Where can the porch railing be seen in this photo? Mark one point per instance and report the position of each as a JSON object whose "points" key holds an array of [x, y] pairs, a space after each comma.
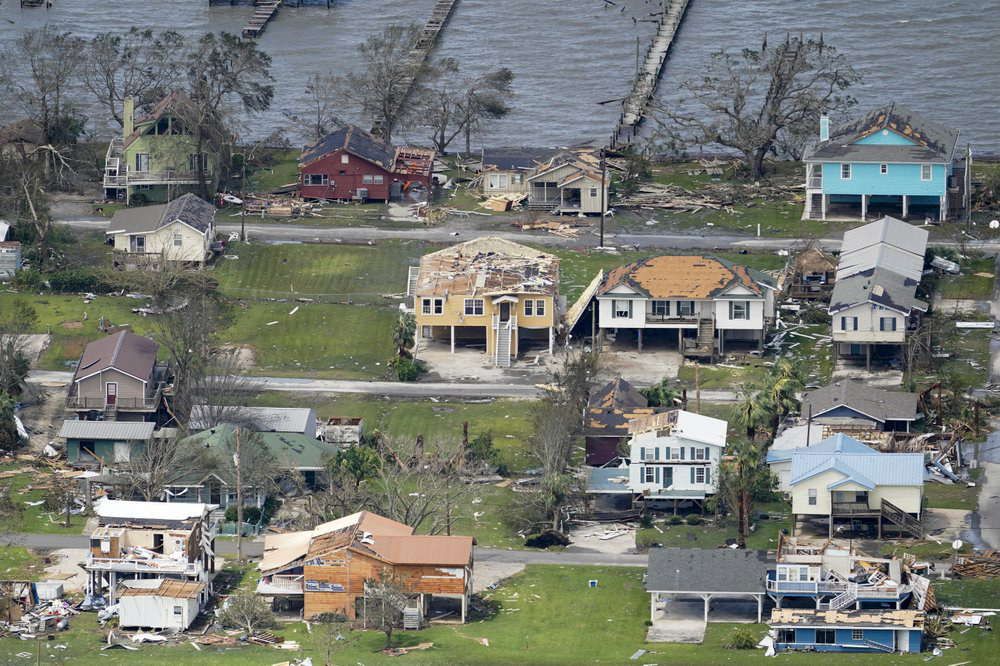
{"points": [[160, 564], [814, 181], [121, 402]]}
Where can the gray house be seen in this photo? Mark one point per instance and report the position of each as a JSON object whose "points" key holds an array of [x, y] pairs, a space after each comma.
{"points": [[850, 404]]}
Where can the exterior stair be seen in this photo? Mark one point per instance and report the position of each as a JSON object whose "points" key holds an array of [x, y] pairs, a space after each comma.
{"points": [[503, 345], [904, 521], [845, 598], [878, 646]]}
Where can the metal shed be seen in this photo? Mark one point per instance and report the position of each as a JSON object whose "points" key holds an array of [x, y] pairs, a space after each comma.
{"points": [[159, 604]]}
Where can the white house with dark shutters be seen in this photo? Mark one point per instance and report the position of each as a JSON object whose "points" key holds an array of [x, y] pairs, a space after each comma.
{"points": [[675, 456]]}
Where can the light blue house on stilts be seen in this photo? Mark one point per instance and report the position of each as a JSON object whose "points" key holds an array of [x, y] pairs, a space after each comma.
{"points": [[891, 161]]}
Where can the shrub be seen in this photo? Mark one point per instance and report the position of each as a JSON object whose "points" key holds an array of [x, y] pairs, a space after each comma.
{"points": [[695, 519], [407, 369], [646, 521], [482, 449], [675, 520], [251, 515], [77, 280], [743, 639], [231, 514], [28, 279]]}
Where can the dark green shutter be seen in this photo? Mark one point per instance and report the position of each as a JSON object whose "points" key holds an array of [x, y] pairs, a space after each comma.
{"points": [[642, 453], [657, 472], [692, 475]]}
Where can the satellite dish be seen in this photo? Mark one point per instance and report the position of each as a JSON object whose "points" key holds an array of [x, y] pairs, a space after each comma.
{"points": [[956, 544]]}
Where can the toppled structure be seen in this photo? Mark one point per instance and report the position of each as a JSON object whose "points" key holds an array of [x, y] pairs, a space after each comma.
{"points": [[847, 631], [608, 413]]}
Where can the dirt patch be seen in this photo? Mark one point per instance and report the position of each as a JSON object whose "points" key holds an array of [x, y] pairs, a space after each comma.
{"points": [[72, 324], [43, 418], [67, 568], [491, 573], [245, 357], [612, 539]]}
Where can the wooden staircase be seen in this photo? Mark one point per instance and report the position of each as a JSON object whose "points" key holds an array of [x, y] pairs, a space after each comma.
{"points": [[816, 209], [904, 521], [844, 599], [503, 344], [704, 342]]}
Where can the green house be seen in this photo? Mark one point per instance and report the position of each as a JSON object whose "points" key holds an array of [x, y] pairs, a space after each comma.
{"points": [[156, 159], [104, 442]]}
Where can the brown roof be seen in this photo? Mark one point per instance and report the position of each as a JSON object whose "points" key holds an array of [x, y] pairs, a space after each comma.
{"points": [[814, 259], [488, 266], [909, 619], [25, 130], [447, 551], [342, 532], [174, 102], [174, 589], [611, 408], [682, 276], [132, 354]]}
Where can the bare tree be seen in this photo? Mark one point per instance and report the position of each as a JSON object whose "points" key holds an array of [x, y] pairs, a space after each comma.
{"points": [[246, 610], [451, 106], [745, 101], [139, 64], [322, 93], [386, 597], [220, 392], [154, 465], [24, 198], [17, 321]]}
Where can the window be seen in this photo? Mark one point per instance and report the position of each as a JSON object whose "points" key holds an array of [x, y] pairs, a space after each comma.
{"points": [[649, 474], [649, 453], [848, 323], [529, 308], [343, 158], [786, 635], [674, 453], [539, 308], [498, 181], [812, 497], [140, 243], [432, 306], [883, 169], [178, 610], [379, 179], [425, 308], [739, 310], [845, 171], [516, 179], [178, 240], [699, 475], [857, 634], [661, 308], [593, 193], [367, 179], [685, 308], [887, 324], [197, 161], [438, 306], [699, 453], [474, 306], [142, 162], [826, 637], [925, 172], [318, 179], [621, 309]]}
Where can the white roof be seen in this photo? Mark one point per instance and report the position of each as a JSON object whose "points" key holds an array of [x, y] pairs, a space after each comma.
{"points": [[269, 419], [3, 230], [890, 231], [700, 428], [109, 508], [882, 255], [117, 430]]}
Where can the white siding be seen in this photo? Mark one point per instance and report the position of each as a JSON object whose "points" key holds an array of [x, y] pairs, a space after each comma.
{"points": [[868, 325], [157, 612], [754, 323], [819, 483], [681, 468], [907, 498], [194, 245], [606, 311]]}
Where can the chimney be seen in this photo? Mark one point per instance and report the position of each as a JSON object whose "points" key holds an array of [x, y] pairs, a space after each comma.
{"points": [[128, 115], [824, 127]]}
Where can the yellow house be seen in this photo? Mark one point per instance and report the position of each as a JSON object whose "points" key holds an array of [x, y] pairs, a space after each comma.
{"points": [[179, 232], [488, 293]]}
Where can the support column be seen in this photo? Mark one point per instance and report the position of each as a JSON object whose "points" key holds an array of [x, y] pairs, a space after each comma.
{"points": [[831, 524], [777, 601], [552, 339], [906, 205], [707, 598], [826, 200], [680, 339], [944, 207], [760, 607], [640, 338], [864, 207], [465, 603], [794, 521], [722, 342], [452, 339], [818, 602], [880, 527], [652, 606], [868, 357]]}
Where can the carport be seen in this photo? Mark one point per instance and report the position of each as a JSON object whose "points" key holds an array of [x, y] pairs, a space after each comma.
{"points": [[718, 573]]}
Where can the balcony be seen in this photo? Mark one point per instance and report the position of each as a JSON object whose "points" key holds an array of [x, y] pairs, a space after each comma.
{"points": [[814, 182], [152, 565], [852, 509], [121, 403], [833, 587], [281, 584], [653, 318]]}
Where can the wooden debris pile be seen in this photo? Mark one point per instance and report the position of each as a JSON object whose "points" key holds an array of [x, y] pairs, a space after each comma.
{"points": [[280, 207], [504, 202], [980, 564], [674, 197], [557, 227]]}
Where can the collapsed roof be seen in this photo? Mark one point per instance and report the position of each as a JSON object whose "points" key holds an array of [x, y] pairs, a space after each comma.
{"points": [[404, 160], [487, 266]]}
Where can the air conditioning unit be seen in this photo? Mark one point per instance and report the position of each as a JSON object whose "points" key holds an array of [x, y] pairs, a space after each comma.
{"points": [[362, 193]]}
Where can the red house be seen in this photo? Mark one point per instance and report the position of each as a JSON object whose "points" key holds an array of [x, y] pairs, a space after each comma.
{"points": [[351, 164]]}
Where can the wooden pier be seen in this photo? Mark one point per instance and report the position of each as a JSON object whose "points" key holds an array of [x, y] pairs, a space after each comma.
{"points": [[418, 56], [636, 104], [264, 12]]}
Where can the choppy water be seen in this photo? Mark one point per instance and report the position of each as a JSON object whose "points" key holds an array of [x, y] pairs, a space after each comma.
{"points": [[937, 56]]}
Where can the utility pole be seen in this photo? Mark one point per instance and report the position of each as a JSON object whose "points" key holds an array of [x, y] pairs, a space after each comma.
{"points": [[243, 205], [697, 388], [604, 152], [239, 500]]}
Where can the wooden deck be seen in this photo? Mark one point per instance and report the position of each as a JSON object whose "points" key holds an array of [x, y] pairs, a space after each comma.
{"points": [[635, 105], [264, 12], [418, 56]]}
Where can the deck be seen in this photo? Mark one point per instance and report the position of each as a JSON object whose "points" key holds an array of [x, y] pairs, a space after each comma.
{"points": [[264, 12], [635, 105]]}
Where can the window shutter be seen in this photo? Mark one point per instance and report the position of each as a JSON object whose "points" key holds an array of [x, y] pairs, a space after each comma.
{"points": [[843, 323], [692, 475], [666, 453], [656, 453], [682, 453], [730, 309], [855, 324], [630, 308], [642, 453], [692, 454], [706, 453], [657, 472]]}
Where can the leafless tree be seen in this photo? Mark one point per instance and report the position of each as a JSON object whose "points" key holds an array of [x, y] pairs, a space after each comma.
{"points": [[380, 90], [322, 93], [17, 321], [248, 611], [154, 465], [139, 63], [24, 198], [451, 106], [386, 597], [221, 392], [745, 101]]}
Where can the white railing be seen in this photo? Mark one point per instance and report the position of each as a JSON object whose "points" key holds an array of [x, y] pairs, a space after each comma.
{"points": [[281, 583], [164, 565]]}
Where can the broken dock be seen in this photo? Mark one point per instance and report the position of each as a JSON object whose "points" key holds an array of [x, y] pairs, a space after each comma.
{"points": [[264, 12], [636, 104], [418, 56]]}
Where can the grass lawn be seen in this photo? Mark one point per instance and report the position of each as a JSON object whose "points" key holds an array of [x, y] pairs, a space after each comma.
{"points": [[968, 285], [953, 496], [18, 563], [968, 592], [319, 340], [923, 550], [284, 171], [711, 535], [25, 487], [751, 370], [508, 420], [969, 363], [327, 272]]}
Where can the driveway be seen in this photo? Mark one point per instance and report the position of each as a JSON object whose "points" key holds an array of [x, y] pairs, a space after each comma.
{"points": [[989, 505], [682, 619]]}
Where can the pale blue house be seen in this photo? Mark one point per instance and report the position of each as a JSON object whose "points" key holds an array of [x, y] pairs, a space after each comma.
{"points": [[891, 161], [887, 631]]}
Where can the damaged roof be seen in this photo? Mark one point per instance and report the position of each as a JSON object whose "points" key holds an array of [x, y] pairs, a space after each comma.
{"points": [[874, 618], [878, 286], [175, 102], [683, 424], [685, 276], [171, 589], [354, 140], [931, 141], [449, 551], [855, 394], [188, 209], [611, 408], [889, 231], [487, 266], [510, 159]]}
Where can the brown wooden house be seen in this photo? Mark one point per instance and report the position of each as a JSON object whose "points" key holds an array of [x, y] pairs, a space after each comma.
{"points": [[608, 414], [325, 570], [811, 274]]}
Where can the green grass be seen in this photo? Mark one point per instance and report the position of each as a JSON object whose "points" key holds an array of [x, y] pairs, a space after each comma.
{"points": [[953, 496], [751, 370], [34, 518], [323, 271], [969, 363], [319, 340], [712, 535], [284, 171], [18, 563], [922, 550], [968, 592], [968, 285]]}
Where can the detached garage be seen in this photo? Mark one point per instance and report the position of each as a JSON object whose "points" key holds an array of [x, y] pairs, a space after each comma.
{"points": [[159, 604]]}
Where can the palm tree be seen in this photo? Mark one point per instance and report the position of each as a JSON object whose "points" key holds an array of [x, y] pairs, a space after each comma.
{"points": [[662, 394], [750, 411], [744, 478], [404, 332], [781, 391]]}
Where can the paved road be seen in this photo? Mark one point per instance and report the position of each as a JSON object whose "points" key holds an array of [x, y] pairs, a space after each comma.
{"points": [[395, 389], [256, 549]]}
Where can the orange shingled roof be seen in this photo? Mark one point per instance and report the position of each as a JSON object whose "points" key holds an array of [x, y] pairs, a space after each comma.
{"points": [[448, 551], [680, 276]]}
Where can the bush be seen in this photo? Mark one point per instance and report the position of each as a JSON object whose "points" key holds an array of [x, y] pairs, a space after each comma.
{"points": [[231, 514], [407, 369], [675, 520], [695, 519], [743, 639], [646, 521], [251, 515], [76, 280], [28, 279], [482, 449]]}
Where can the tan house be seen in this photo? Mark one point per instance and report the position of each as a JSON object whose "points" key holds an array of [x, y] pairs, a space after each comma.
{"points": [[180, 232], [326, 569], [118, 379], [557, 181], [488, 293]]}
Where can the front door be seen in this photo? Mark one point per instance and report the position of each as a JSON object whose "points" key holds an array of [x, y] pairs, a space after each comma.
{"points": [[215, 494], [111, 393], [505, 312]]}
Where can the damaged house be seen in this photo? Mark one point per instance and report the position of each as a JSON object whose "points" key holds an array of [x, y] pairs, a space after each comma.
{"points": [[700, 305], [810, 275], [490, 294], [874, 304], [556, 181], [324, 570], [150, 542], [608, 414], [849, 405]]}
